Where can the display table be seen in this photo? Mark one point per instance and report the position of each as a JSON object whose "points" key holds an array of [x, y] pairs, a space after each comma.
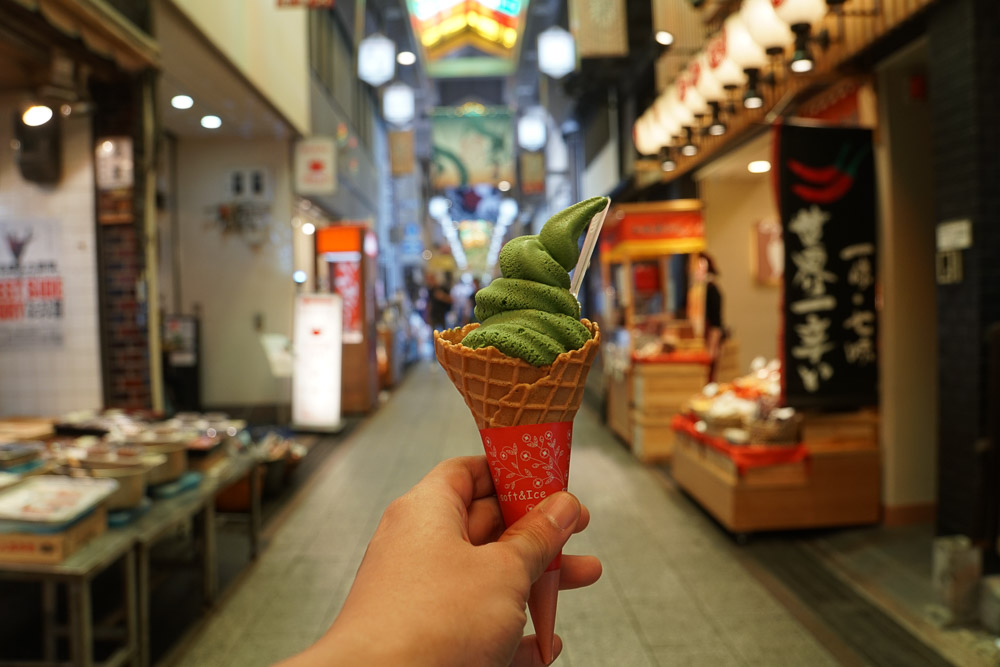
{"points": [[832, 478], [644, 398]]}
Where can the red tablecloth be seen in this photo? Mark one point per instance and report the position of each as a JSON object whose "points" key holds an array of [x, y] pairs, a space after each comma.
{"points": [[744, 456]]}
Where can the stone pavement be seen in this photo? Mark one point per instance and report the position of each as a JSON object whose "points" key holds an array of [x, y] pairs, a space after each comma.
{"points": [[673, 590]]}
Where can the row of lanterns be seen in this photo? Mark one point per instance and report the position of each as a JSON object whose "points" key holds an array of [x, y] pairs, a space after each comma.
{"points": [[734, 58], [377, 60]]}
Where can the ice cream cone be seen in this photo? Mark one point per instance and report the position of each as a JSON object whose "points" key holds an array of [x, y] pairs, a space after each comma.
{"points": [[524, 414]]}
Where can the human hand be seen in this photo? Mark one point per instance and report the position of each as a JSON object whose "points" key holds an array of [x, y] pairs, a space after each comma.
{"points": [[443, 583]]}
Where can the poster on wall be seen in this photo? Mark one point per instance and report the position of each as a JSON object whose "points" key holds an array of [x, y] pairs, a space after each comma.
{"points": [[31, 285], [826, 193], [471, 144], [317, 342]]}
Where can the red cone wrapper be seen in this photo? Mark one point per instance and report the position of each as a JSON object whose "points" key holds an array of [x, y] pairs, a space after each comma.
{"points": [[528, 463]]}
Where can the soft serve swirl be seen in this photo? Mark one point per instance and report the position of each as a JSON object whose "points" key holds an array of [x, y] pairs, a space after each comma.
{"points": [[530, 313]]}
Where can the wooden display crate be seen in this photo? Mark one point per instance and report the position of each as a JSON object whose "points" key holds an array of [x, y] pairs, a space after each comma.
{"points": [[652, 437], [836, 486], [619, 402], [54, 547]]}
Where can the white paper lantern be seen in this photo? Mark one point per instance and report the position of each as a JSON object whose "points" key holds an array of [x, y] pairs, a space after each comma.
{"points": [[376, 59], [556, 52], [724, 68], [765, 27], [689, 95], [678, 110], [531, 129], [740, 45], [642, 136], [662, 114], [800, 12], [705, 82], [398, 104]]}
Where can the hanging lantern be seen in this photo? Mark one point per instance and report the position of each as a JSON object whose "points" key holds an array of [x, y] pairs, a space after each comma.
{"points": [[681, 113], [556, 52], [765, 27], [740, 45], [689, 95], [724, 69], [531, 129], [705, 82], [665, 119], [641, 135], [376, 59], [398, 104]]}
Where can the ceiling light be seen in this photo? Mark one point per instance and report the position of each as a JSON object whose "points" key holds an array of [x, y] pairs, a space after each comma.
{"points": [[531, 133], [689, 149], [752, 100], [398, 104], [668, 165], [717, 128], [36, 115], [211, 122], [801, 62], [299, 277], [759, 167], [664, 37], [308, 228], [406, 58], [503, 186], [181, 102]]}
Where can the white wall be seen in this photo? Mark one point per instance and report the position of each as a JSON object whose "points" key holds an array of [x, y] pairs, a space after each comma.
{"points": [[229, 280], [601, 175], [752, 311], [49, 381], [269, 45], [908, 319]]}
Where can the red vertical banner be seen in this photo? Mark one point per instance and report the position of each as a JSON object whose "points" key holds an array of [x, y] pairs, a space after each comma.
{"points": [[347, 283]]}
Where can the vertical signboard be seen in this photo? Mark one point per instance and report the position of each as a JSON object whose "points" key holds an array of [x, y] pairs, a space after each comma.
{"points": [[316, 166], [317, 343], [826, 192]]}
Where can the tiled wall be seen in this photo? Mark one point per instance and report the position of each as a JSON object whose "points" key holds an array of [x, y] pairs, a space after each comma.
{"points": [[53, 380], [964, 76]]}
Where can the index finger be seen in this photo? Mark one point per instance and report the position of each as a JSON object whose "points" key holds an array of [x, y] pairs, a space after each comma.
{"points": [[467, 476]]}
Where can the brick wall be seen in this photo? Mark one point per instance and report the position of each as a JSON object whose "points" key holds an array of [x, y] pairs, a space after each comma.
{"points": [[125, 340], [964, 76]]}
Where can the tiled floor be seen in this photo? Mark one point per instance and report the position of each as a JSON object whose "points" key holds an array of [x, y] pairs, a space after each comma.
{"points": [[673, 592]]}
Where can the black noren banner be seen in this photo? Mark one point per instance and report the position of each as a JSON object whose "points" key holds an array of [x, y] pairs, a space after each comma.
{"points": [[826, 193]]}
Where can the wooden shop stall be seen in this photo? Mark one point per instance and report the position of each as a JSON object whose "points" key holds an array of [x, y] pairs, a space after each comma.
{"points": [[654, 310]]}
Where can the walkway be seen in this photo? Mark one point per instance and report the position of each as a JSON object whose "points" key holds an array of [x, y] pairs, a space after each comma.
{"points": [[673, 591]]}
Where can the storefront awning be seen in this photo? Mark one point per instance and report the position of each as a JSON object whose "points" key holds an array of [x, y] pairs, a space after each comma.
{"points": [[102, 29], [653, 229]]}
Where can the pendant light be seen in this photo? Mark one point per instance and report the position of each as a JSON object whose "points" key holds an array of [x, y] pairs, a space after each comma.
{"points": [[531, 129], [376, 59], [398, 103], [667, 162], [717, 127], [765, 27], [747, 54], [556, 52], [801, 15], [689, 149]]}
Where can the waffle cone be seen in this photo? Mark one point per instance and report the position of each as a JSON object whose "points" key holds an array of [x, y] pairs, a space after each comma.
{"points": [[506, 391]]}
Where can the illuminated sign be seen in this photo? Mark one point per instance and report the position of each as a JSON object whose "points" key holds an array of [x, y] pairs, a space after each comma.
{"points": [[318, 339]]}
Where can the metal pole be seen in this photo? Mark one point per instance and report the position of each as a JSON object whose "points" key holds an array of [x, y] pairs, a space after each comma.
{"points": [[150, 241]]}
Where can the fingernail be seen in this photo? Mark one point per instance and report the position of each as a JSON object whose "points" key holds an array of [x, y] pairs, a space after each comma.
{"points": [[562, 509]]}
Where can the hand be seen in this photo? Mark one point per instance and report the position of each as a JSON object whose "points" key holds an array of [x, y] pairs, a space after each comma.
{"points": [[443, 583]]}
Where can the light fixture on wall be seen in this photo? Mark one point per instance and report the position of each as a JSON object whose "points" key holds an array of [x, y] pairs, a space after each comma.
{"points": [[36, 115], [759, 167], [689, 149], [667, 162], [801, 15], [717, 127], [211, 122], [531, 129], [556, 52], [376, 59], [181, 102], [398, 104]]}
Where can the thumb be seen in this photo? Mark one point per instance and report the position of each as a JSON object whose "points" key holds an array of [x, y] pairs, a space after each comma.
{"points": [[539, 535]]}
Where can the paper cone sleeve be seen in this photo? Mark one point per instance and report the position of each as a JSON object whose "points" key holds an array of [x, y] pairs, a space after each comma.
{"points": [[506, 391]]}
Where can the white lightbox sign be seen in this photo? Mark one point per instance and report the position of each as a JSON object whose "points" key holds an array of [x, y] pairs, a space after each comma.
{"points": [[318, 340]]}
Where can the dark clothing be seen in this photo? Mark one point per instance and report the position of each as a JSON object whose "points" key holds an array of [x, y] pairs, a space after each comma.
{"points": [[440, 304], [713, 307]]}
